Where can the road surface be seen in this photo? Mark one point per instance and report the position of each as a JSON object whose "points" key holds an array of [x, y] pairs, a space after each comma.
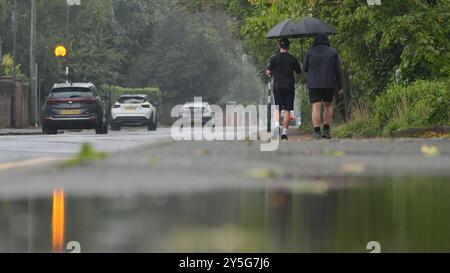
{"points": [[16, 148], [135, 165], [152, 194]]}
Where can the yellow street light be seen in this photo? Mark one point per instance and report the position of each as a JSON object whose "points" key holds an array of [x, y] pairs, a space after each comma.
{"points": [[60, 51]]}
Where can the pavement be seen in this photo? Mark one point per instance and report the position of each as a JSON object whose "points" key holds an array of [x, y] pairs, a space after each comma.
{"points": [[141, 162], [19, 132]]}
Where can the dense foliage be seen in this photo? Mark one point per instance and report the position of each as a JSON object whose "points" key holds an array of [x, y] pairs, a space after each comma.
{"points": [[423, 103], [136, 43], [153, 93], [392, 46], [186, 48], [374, 42]]}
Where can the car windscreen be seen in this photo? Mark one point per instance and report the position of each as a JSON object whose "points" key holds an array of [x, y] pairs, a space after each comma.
{"points": [[131, 100], [71, 93]]}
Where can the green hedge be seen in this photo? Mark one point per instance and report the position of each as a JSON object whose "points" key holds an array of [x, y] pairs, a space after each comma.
{"points": [[423, 103], [357, 128], [153, 93]]}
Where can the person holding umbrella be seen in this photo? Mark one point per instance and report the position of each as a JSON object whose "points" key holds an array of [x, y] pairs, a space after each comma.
{"points": [[282, 67], [323, 66]]}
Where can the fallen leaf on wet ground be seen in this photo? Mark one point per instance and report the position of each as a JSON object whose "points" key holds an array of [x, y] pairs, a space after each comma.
{"points": [[432, 150], [155, 160], [202, 152], [354, 168], [310, 187], [334, 153], [262, 173]]}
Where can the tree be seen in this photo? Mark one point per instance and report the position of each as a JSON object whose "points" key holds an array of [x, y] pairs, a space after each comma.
{"points": [[374, 42]]}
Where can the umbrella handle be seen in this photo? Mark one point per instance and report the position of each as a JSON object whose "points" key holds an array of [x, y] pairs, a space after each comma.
{"points": [[270, 85], [269, 104]]}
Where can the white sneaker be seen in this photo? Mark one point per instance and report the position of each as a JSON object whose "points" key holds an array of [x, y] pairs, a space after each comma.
{"points": [[275, 125], [276, 129]]}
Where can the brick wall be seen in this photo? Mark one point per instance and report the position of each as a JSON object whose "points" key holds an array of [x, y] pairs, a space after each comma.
{"points": [[21, 103]]}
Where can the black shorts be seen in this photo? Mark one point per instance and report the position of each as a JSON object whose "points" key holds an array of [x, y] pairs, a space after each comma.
{"points": [[284, 98], [321, 94]]}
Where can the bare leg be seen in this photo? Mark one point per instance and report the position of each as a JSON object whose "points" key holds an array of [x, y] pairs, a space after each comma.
{"points": [[276, 116], [316, 120], [328, 114], [287, 117]]}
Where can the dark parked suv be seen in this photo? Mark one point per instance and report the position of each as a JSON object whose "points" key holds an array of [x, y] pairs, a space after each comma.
{"points": [[74, 106]]}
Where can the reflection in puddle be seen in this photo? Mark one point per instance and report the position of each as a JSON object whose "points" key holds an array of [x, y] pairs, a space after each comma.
{"points": [[58, 220], [403, 214]]}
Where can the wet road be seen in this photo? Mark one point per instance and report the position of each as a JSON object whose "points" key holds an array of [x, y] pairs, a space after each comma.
{"points": [[17, 148], [308, 196], [402, 214]]}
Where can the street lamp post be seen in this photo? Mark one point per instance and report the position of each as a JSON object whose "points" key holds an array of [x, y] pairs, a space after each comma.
{"points": [[13, 99], [33, 66], [69, 4], [67, 39], [14, 30], [1, 56]]}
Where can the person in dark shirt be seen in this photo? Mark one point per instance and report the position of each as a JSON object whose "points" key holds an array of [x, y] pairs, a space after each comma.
{"points": [[323, 66], [282, 67]]}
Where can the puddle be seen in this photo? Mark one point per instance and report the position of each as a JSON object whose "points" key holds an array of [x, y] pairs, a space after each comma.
{"points": [[402, 214]]}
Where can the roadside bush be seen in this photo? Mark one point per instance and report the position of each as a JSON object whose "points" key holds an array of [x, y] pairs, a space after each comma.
{"points": [[423, 103], [153, 93], [356, 128], [7, 67], [360, 125]]}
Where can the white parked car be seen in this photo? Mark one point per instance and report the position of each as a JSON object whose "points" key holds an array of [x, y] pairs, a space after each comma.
{"points": [[133, 110], [194, 113]]}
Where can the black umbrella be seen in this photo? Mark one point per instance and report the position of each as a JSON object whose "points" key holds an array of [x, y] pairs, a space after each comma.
{"points": [[311, 26], [308, 27], [287, 28]]}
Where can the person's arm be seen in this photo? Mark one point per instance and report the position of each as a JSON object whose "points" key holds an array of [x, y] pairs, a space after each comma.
{"points": [[306, 63], [297, 69], [338, 73], [269, 68]]}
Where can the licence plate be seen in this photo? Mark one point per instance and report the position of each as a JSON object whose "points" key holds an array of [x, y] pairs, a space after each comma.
{"points": [[71, 112], [130, 108]]}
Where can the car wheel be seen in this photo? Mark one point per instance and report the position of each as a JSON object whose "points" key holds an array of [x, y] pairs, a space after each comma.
{"points": [[51, 131], [152, 124], [47, 130], [100, 129], [105, 129], [115, 127], [155, 124]]}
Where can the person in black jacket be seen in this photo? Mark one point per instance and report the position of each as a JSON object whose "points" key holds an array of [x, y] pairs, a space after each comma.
{"points": [[282, 67], [323, 66]]}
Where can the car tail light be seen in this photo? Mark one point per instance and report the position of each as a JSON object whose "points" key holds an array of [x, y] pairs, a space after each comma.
{"points": [[145, 106], [53, 102]]}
